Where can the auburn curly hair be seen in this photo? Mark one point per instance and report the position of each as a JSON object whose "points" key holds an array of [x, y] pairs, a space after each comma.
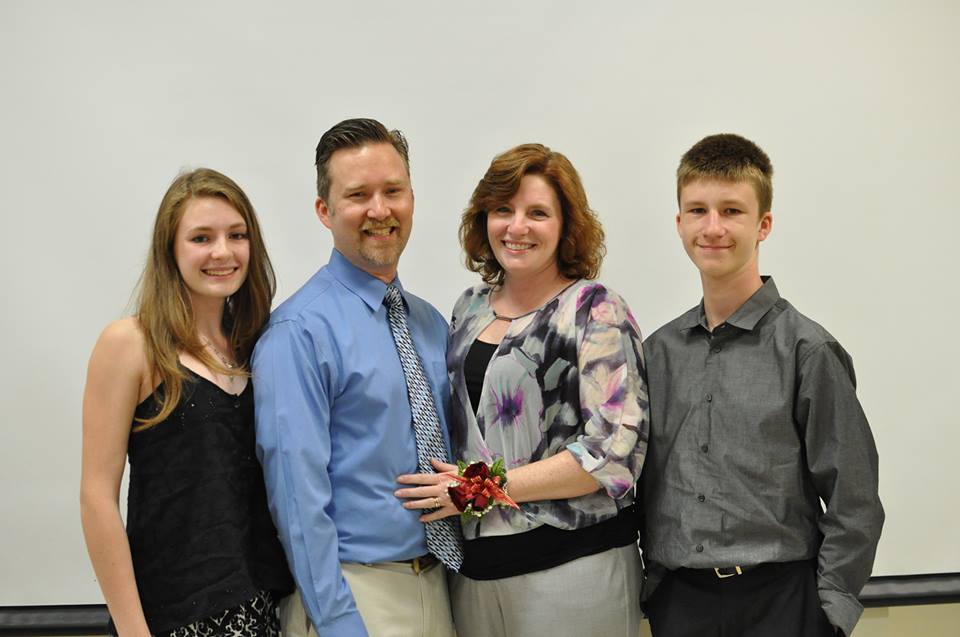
{"points": [[581, 249]]}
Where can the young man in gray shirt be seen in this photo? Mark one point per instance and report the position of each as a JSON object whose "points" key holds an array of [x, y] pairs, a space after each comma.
{"points": [[754, 422]]}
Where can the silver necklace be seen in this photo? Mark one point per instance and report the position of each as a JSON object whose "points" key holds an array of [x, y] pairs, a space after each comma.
{"points": [[223, 359]]}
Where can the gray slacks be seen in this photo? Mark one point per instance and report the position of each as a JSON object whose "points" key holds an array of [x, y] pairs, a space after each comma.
{"points": [[594, 595]]}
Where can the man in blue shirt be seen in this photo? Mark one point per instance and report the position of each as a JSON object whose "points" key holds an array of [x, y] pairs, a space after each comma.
{"points": [[333, 414]]}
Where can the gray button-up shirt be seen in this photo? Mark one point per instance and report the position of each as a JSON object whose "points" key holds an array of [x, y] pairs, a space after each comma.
{"points": [[751, 427]]}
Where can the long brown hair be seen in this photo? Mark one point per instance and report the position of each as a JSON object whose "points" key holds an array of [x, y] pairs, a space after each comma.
{"points": [[581, 248], [164, 308]]}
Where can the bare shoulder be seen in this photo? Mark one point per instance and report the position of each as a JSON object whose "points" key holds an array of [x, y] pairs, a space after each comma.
{"points": [[115, 378], [121, 348]]}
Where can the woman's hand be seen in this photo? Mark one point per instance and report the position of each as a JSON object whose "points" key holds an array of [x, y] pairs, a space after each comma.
{"points": [[430, 492]]}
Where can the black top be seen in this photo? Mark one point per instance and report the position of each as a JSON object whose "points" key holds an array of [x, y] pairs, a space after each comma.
{"points": [[544, 547], [475, 368], [200, 532], [497, 556]]}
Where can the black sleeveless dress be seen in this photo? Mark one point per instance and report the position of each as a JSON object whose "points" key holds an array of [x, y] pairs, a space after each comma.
{"points": [[201, 536]]}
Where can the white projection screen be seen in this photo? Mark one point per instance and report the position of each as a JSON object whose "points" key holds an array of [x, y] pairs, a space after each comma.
{"points": [[103, 102]]}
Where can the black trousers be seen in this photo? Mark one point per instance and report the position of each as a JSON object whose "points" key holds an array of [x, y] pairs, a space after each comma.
{"points": [[771, 600]]}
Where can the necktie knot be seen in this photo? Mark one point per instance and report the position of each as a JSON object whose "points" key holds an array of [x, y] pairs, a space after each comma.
{"points": [[393, 299]]}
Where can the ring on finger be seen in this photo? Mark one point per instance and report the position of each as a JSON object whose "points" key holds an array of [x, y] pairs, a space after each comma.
{"points": [[436, 503]]}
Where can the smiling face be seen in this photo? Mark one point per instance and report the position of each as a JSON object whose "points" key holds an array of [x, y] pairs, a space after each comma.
{"points": [[369, 208], [524, 232], [721, 227], [211, 248]]}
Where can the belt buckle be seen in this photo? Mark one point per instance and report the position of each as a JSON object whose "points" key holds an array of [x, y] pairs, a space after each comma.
{"points": [[737, 571], [422, 563]]}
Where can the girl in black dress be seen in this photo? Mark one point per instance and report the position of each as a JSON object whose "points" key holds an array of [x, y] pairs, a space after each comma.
{"points": [[169, 388]]}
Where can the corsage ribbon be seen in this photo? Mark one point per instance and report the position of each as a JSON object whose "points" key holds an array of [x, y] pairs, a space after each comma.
{"points": [[478, 488]]}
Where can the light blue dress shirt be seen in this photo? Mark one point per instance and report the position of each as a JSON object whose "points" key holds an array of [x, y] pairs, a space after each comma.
{"points": [[334, 431]]}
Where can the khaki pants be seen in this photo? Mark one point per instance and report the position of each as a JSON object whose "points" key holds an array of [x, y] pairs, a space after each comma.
{"points": [[393, 601]]}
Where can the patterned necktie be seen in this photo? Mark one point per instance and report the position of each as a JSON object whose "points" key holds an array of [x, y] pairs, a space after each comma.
{"points": [[443, 536]]}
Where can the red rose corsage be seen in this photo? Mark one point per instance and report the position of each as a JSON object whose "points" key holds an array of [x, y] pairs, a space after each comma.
{"points": [[478, 488]]}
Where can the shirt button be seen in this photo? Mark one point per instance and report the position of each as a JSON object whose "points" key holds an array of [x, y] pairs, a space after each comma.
{"points": [[716, 350], [699, 548], [704, 448], [708, 398], [701, 498]]}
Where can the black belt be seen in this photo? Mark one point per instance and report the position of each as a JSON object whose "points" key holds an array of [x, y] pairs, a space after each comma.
{"points": [[725, 572], [720, 572]]}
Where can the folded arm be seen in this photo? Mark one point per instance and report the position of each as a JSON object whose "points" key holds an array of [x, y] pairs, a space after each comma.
{"points": [[613, 396]]}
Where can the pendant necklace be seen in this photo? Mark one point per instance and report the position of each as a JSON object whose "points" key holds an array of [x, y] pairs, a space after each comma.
{"points": [[223, 359]]}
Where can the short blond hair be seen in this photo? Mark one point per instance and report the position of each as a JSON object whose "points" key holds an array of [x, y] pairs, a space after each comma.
{"points": [[728, 157]]}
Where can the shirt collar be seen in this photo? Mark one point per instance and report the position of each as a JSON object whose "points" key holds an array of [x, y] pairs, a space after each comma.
{"points": [[369, 288], [747, 315], [692, 317]]}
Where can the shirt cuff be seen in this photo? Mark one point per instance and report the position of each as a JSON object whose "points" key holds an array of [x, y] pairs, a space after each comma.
{"points": [[842, 609], [615, 479], [349, 625]]}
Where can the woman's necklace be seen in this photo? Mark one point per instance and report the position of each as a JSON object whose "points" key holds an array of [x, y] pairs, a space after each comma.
{"points": [[509, 319], [501, 317], [223, 359]]}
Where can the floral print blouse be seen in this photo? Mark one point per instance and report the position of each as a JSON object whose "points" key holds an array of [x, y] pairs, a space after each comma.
{"points": [[568, 376]]}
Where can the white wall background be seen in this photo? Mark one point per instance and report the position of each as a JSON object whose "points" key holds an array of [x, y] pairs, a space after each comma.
{"points": [[103, 102]]}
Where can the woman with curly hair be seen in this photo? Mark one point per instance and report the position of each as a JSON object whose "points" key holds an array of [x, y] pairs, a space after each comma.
{"points": [[547, 376]]}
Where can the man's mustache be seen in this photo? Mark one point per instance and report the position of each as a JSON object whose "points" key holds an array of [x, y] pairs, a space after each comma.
{"points": [[380, 225]]}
